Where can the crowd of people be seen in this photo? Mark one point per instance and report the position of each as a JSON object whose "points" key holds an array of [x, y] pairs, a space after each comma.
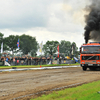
{"points": [[28, 60]]}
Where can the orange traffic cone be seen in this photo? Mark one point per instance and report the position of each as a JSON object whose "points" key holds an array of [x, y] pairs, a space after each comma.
{"points": [[40, 66]]}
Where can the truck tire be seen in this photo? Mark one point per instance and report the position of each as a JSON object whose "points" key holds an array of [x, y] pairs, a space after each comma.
{"points": [[84, 68]]}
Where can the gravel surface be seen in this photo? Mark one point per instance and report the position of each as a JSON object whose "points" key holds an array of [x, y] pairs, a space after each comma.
{"points": [[23, 85]]}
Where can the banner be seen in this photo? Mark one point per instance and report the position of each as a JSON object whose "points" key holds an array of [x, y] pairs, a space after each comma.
{"points": [[58, 50], [41, 46], [72, 50], [2, 47]]}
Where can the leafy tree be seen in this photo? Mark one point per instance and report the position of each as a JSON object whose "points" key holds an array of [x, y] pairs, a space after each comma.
{"points": [[68, 48], [65, 47], [11, 42], [50, 47], [28, 44]]}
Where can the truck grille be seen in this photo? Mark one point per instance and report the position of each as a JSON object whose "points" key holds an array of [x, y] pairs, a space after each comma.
{"points": [[90, 62], [87, 62], [90, 57]]}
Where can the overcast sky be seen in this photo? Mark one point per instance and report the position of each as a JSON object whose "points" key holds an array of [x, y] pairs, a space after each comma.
{"points": [[44, 19]]}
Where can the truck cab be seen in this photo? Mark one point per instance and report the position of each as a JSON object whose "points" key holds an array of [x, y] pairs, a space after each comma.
{"points": [[90, 55]]}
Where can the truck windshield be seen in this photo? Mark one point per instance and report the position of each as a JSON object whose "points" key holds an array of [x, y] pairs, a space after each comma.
{"points": [[90, 49]]}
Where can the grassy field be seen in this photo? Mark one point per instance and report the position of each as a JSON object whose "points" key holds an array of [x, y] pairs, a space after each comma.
{"points": [[90, 91], [34, 66]]}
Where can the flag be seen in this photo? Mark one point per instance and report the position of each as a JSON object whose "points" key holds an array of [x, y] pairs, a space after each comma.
{"points": [[58, 50], [18, 43], [41, 45], [2, 47]]}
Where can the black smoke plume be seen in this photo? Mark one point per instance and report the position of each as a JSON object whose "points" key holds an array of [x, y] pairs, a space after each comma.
{"points": [[92, 28]]}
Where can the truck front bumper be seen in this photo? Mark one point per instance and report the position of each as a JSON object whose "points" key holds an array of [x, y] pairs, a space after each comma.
{"points": [[90, 65]]}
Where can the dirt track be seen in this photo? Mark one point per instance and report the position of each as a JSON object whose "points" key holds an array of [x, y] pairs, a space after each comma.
{"points": [[23, 84]]}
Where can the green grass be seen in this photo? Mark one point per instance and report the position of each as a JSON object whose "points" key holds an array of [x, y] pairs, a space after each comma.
{"points": [[34, 66], [84, 92]]}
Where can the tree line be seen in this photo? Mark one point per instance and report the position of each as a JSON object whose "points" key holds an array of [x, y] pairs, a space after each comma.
{"points": [[28, 44], [66, 48]]}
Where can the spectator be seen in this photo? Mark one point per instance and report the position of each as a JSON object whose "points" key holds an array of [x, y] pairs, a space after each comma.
{"points": [[17, 61], [14, 61], [6, 60]]}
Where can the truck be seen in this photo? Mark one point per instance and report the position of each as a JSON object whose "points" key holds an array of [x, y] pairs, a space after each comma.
{"points": [[90, 56]]}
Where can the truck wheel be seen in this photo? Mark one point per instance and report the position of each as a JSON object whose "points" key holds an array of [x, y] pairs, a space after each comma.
{"points": [[84, 68]]}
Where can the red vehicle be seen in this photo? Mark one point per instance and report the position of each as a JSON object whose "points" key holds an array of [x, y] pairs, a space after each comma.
{"points": [[90, 56]]}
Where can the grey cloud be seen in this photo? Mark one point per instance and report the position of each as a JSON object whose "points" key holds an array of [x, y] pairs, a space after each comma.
{"points": [[18, 15], [23, 13]]}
